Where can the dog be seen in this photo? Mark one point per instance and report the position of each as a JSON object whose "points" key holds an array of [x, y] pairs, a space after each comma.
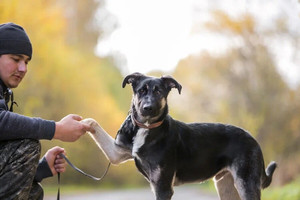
{"points": [[170, 152]]}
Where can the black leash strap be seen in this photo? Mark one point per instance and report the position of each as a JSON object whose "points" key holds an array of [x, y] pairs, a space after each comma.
{"points": [[80, 171], [58, 190]]}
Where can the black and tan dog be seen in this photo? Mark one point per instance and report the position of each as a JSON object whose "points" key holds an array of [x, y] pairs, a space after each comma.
{"points": [[169, 152]]}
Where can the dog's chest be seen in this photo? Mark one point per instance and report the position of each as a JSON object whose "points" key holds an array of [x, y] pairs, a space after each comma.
{"points": [[139, 140]]}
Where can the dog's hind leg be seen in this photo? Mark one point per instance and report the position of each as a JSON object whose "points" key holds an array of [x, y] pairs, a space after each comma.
{"points": [[248, 189], [224, 184], [247, 180], [114, 153]]}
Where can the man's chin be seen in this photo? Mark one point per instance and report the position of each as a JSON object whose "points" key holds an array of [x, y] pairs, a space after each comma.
{"points": [[13, 84]]}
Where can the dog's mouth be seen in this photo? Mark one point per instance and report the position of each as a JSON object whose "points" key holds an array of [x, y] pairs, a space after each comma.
{"points": [[147, 117]]}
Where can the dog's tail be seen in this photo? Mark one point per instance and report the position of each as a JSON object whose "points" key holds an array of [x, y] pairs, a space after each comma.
{"points": [[267, 176]]}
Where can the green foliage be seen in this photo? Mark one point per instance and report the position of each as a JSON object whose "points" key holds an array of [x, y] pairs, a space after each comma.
{"points": [[288, 192]]}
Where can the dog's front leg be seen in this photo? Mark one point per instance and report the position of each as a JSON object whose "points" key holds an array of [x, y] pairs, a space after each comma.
{"points": [[162, 191], [114, 153], [162, 184]]}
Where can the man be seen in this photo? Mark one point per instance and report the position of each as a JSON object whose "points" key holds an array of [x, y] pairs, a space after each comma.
{"points": [[20, 169]]}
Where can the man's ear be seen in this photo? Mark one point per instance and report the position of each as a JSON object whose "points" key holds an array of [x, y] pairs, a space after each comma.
{"points": [[132, 79], [171, 83]]}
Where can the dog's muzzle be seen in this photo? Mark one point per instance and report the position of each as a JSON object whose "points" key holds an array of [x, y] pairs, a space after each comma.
{"points": [[147, 107], [149, 110]]}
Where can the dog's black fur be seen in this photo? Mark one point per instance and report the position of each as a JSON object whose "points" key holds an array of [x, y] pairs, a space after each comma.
{"points": [[169, 152]]}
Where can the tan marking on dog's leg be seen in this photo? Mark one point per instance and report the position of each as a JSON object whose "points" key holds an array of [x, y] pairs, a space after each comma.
{"points": [[224, 184], [106, 143]]}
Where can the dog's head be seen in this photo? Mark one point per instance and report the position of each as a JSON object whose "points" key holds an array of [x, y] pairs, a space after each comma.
{"points": [[150, 95]]}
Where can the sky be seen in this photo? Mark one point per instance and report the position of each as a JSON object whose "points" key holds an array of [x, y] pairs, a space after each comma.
{"points": [[146, 35]]}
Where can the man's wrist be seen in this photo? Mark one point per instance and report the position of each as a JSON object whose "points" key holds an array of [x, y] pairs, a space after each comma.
{"points": [[57, 130], [43, 170]]}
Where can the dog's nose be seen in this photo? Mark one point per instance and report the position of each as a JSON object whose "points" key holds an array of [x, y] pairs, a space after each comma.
{"points": [[147, 107]]}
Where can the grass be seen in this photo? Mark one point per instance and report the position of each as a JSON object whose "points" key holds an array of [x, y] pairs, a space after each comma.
{"points": [[288, 192]]}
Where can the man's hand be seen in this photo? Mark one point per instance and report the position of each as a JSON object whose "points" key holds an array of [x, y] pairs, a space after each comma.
{"points": [[55, 162], [69, 129]]}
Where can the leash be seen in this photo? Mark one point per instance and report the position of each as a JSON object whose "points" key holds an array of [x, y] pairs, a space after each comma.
{"points": [[80, 171]]}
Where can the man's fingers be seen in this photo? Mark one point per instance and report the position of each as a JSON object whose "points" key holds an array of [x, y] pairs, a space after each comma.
{"points": [[59, 152], [59, 161], [76, 117], [87, 127], [58, 149], [60, 168]]}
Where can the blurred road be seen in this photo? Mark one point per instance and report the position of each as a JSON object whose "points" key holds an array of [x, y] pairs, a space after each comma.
{"points": [[181, 193]]}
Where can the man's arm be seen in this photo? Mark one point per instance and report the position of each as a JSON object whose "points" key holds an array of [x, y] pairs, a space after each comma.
{"points": [[15, 126]]}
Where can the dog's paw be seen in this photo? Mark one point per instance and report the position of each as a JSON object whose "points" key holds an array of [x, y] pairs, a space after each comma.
{"points": [[91, 122]]}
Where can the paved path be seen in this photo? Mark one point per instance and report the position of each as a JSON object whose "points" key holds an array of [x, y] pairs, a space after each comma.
{"points": [[181, 193]]}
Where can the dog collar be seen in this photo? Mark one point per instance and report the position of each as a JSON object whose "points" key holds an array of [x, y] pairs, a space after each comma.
{"points": [[150, 126]]}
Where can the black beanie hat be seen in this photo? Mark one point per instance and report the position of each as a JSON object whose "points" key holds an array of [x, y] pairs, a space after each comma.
{"points": [[14, 40]]}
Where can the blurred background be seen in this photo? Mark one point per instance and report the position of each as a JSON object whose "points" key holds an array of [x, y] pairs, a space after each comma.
{"points": [[237, 60]]}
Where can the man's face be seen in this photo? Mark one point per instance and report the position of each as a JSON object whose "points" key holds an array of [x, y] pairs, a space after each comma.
{"points": [[13, 69]]}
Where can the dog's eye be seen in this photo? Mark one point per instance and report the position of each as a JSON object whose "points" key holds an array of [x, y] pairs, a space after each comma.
{"points": [[156, 90], [142, 91]]}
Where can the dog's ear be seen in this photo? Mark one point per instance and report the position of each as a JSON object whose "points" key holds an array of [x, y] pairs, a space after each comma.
{"points": [[132, 79], [171, 83]]}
